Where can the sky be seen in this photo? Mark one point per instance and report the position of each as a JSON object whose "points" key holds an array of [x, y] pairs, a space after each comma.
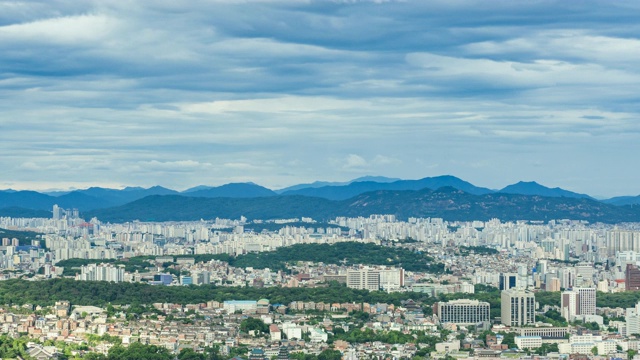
{"points": [[182, 93]]}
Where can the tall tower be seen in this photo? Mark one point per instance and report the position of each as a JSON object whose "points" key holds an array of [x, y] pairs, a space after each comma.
{"points": [[517, 307], [56, 212]]}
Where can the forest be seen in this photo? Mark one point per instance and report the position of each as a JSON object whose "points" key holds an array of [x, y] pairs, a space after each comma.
{"points": [[101, 293], [347, 253]]}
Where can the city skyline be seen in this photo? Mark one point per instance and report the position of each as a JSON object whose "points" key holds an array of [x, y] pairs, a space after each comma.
{"points": [[285, 92]]}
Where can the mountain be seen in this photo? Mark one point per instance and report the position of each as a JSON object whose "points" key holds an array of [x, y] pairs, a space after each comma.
{"points": [[233, 190], [88, 199], [317, 184], [197, 188], [533, 188], [379, 179], [26, 199], [357, 188], [447, 202], [623, 200], [18, 212]]}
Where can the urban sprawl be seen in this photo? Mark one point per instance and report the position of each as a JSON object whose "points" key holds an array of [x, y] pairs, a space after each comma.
{"points": [[543, 290]]}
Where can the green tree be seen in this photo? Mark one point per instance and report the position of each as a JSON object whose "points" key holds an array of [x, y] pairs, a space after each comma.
{"points": [[250, 324]]}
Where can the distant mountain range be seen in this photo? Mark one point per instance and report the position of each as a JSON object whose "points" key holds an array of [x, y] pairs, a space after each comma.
{"points": [[446, 202], [90, 200], [343, 192], [533, 188]]}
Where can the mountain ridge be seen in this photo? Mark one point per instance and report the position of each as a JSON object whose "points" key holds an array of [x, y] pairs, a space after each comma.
{"points": [[96, 197], [447, 202]]}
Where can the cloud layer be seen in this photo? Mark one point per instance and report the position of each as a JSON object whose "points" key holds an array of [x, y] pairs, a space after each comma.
{"points": [[119, 93]]}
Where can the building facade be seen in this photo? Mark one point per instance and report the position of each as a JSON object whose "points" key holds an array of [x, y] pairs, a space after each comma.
{"points": [[517, 307], [462, 312]]}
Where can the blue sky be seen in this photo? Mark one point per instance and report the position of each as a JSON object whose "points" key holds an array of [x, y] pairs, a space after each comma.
{"points": [[115, 93]]}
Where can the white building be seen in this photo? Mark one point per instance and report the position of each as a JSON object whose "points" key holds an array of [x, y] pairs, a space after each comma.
{"points": [[517, 307], [528, 342], [463, 311]]}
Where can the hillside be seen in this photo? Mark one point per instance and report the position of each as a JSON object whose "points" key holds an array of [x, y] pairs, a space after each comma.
{"points": [[533, 188], [233, 190], [356, 188], [623, 200], [447, 203]]}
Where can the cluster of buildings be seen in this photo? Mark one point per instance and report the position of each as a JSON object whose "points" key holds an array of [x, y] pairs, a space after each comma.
{"points": [[520, 258]]}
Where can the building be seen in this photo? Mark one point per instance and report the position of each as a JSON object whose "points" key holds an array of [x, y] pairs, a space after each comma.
{"points": [[232, 306], [569, 304], [632, 278], [363, 279], [462, 312], [257, 354], [632, 318], [528, 342], [101, 272], [545, 332], [517, 307], [164, 279], [392, 278], [283, 353], [587, 300], [508, 281], [275, 333], [375, 279], [553, 285]]}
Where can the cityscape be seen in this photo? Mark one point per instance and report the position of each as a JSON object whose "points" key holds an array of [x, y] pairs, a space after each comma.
{"points": [[319, 180]]}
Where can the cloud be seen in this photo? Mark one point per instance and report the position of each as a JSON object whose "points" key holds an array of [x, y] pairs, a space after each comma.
{"points": [[353, 161], [182, 94]]}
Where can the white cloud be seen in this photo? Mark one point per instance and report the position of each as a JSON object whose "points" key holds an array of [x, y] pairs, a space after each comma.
{"points": [[353, 161], [82, 30]]}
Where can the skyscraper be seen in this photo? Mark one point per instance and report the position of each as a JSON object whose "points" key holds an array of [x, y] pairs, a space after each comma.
{"points": [[57, 213]]}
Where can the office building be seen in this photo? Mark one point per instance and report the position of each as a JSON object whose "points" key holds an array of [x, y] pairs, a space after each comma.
{"points": [[569, 304], [363, 279], [508, 281], [462, 312], [587, 301], [517, 307]]}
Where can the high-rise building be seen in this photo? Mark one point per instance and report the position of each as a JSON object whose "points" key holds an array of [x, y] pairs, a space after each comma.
{"points": [[392, 278], [57, 212], [587, 300], [569, 304], [462, 312], [632, 278], [366, 279], [375, 279], [508, 281], [517, 307], [553, 285]]}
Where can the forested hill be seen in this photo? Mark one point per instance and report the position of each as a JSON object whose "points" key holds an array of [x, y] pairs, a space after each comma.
{"points": [[447, 203]]}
